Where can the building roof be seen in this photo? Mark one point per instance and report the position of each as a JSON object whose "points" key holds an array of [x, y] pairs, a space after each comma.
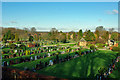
{"points": [[82, 40]]}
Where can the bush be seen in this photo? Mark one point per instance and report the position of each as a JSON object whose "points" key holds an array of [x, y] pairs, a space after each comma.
{"points": [[71, 44], [22, 47], [118, 54], [93, 47], [89, 45], [99, 45], [115, 49], [18, 42], [13, 46]]}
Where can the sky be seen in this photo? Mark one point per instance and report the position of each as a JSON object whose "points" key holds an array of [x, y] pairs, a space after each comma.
{"points": [[64, 16]]}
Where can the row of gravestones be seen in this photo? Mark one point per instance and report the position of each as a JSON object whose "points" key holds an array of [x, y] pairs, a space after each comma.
{"points": [[7, 63], [30, 52], [41, 65], [109, 70]]}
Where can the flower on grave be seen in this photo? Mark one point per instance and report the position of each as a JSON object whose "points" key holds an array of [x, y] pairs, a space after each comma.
{"points": [[26, 52]]}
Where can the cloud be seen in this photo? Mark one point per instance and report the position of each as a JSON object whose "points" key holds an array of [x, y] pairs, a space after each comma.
{"points": [[115, 11], [112, 12], [13, 22]]}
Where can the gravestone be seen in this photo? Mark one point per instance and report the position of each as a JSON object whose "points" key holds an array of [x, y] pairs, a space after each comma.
{"points": [[50, 62], [31, 58], [35, 57], [48, 54]]}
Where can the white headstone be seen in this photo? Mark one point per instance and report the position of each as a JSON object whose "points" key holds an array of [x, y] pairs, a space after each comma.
{"points": [[3, 63], [7, 63], [31, 58], [15, 51], [48, 54], [35, 57], [50, 62]]}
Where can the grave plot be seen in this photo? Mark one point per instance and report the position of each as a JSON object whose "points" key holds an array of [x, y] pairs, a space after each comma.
{"points": [[61, 58], [31, 57]]}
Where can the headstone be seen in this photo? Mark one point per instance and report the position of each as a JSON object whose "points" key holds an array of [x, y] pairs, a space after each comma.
{"points": [[35, 57], [15, 51], [72, 50], [50, 62], [5, 63], [84, 52], [48, 54], [31, 58]]}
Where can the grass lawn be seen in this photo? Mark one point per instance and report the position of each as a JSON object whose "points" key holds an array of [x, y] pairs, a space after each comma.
{"points": [[81, 67]]}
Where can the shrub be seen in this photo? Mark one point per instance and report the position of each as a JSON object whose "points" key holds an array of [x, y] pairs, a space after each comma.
{"points": [[19, 42], [118, 54], [89, 45], [99, 45], [93, 47], [71, 44], [13, 46], [115, 49], [22, 47]]}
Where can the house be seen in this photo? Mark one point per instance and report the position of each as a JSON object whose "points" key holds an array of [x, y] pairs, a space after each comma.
{"points": [[71, 36], [82, 42]]}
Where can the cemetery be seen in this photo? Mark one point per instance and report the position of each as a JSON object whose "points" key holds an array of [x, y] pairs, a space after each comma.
{"points": [[60, 61]]}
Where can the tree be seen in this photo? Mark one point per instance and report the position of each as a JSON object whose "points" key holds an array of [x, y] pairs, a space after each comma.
{"points": [[62, 37], [26, 29], [53, 34], [33, 29], [31, 38], [97, 33], [12, 36], [53, 30], [68, 36], [111, 30], [80, 34], [74, 36], [16, 37], [36, 37], [114, 36], [89, 36], [105, 36], [101, 30], [7, 36]]}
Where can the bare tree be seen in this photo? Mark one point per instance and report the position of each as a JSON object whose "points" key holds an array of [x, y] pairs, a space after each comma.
{"points": [[111, 30], [33, 29]]}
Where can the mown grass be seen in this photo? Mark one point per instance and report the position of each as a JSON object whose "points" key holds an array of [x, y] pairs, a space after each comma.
{"points": [[86, 66]]}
